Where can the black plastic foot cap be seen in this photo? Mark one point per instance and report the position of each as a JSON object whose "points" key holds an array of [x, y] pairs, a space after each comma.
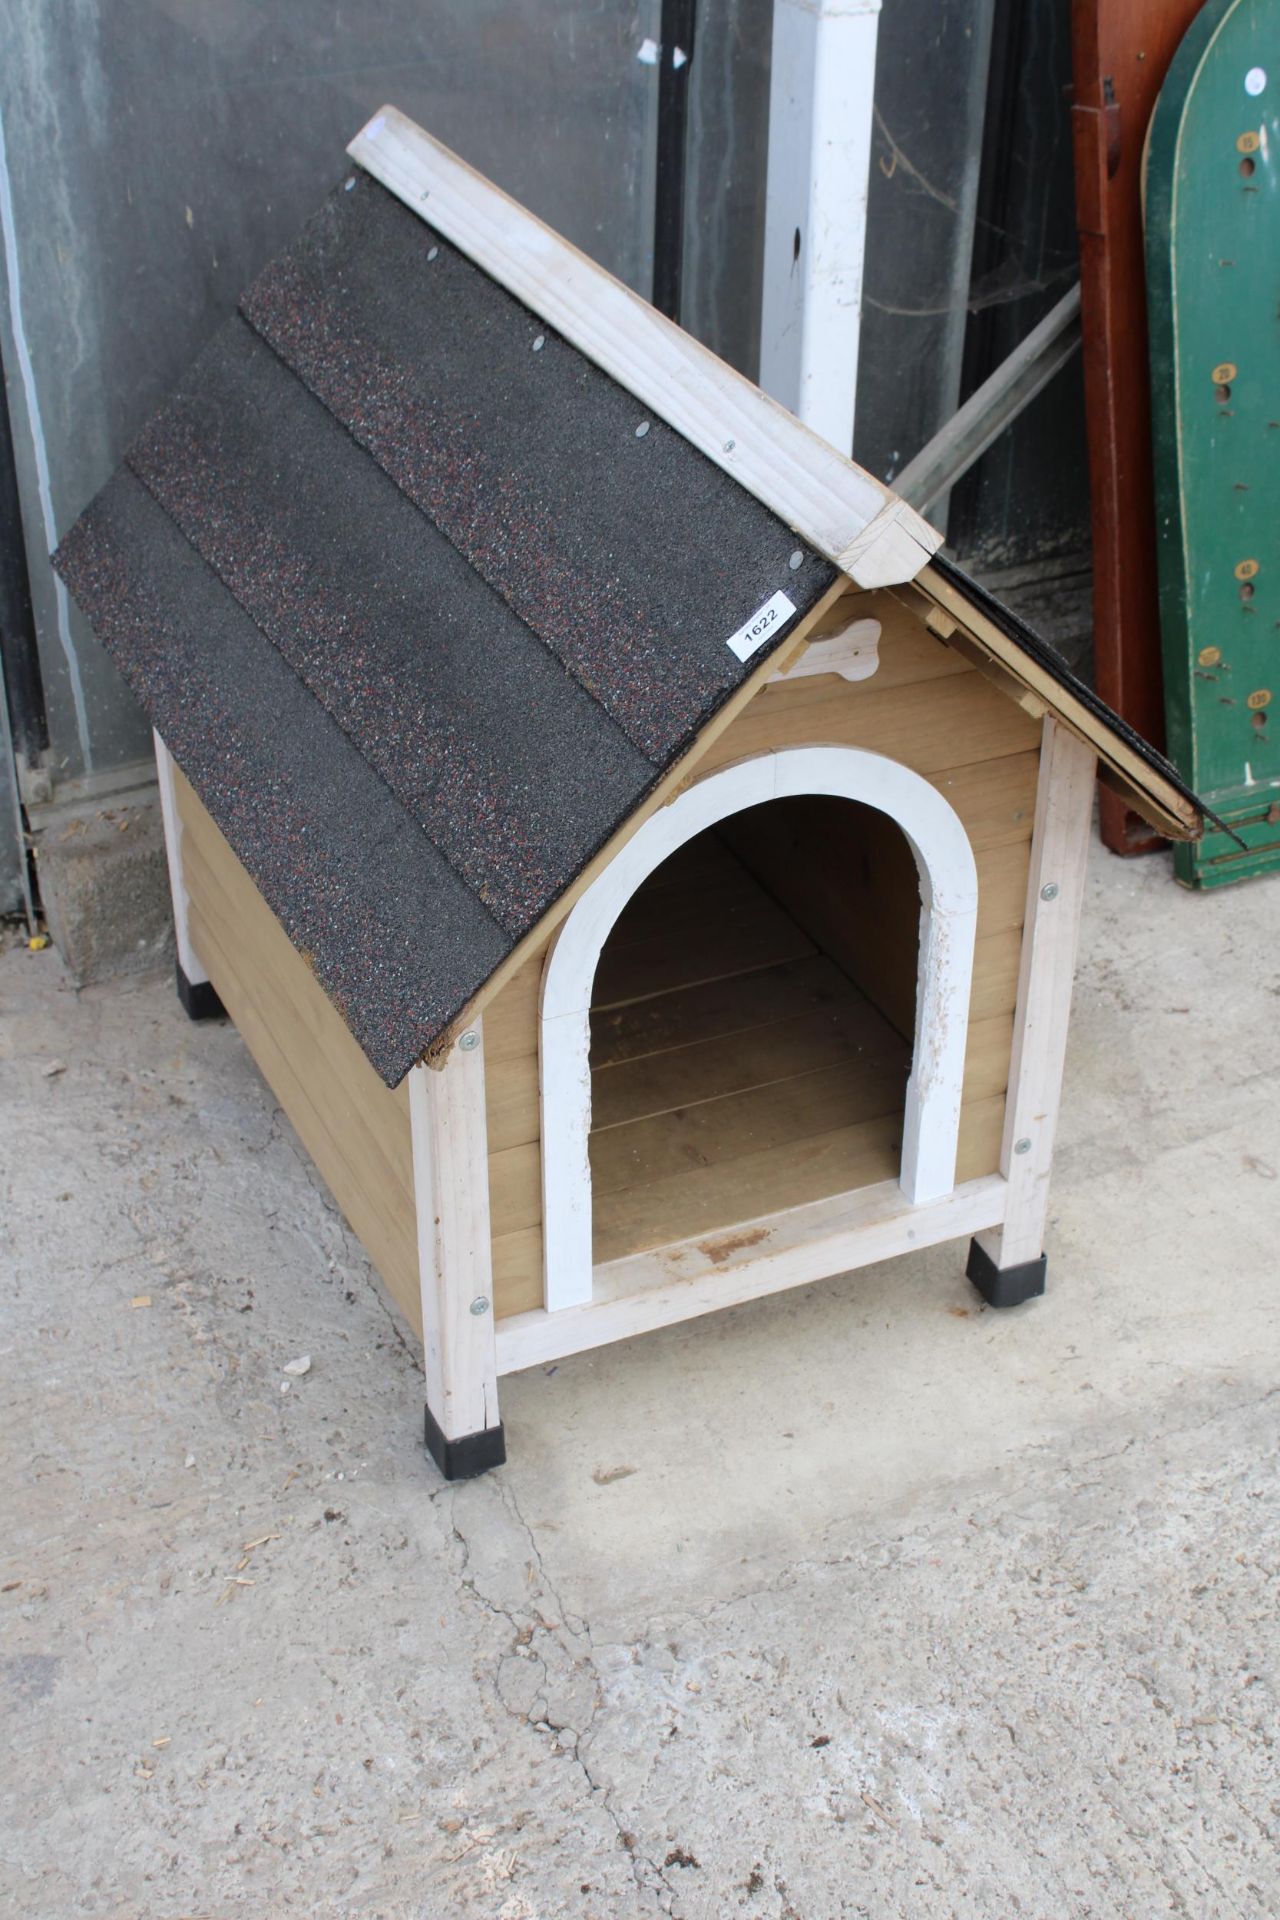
{"points": [[464, 1458], [199, 1000], [1005, 1286]]}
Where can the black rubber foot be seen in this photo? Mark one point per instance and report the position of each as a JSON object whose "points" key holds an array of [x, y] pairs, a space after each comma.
{"points": [[199, 1000], [1005, 1286], [462, 1459]]}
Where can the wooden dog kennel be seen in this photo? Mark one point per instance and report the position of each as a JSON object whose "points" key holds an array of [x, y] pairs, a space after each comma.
{"points": [[646, 873]]}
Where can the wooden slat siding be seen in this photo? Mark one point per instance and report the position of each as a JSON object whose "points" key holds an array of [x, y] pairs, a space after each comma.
{"points": [[511, 1020], [301, 1025], [848, 878], [1159, 802], [908, 653], [959, 721], [371, 1201], [355, 1130], [712, 1133], [715, 1199], [720, 947], [850, 1031], [870, 534], [512, 1101], [294, 1033], [714, 1010], [517, 1270], [794, 1109], [926, 706]]}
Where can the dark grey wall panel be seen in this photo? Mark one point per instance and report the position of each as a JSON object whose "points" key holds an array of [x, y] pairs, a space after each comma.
{"points": [[158, 152], [728, 149], [931, 83], [1027, 499]]}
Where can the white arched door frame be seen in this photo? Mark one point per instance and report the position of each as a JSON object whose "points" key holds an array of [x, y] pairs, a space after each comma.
{"points": [[948, 919]]}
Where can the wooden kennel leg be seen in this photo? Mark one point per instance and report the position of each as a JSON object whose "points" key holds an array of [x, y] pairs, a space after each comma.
{"points": [[451, 1190], [195, 989], [1007, 1264]]}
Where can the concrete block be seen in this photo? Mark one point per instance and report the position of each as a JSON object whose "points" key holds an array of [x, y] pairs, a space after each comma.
{"points": [[104, 883]]}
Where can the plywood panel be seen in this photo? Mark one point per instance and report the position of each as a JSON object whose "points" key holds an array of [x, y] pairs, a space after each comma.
{"points": [[355, 1130]]}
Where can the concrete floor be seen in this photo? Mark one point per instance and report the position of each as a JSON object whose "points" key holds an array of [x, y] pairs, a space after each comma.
{"points": [[861, 1601]]}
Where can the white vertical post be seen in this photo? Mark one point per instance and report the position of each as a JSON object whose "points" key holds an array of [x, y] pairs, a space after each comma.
{"points": [[192, 970], [820, 117], [451, 1193], [1055, 897], [564, 1070]]}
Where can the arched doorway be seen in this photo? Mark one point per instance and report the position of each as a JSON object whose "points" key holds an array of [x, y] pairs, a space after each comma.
{"points": [[947, 880]]}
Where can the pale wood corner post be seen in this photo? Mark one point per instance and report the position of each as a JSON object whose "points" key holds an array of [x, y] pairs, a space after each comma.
{"points": [[195, 989], [1007, 1264], [451, 1192]]}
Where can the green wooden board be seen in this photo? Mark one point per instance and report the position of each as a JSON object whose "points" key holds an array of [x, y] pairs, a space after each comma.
{"points": [[1213, 277]]}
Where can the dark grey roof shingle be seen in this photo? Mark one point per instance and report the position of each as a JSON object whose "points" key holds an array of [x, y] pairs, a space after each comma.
{"points": [[415, 609], [505, 761], [397, 940]]}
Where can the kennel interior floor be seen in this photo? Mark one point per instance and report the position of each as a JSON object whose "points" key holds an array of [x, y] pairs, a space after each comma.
{"points": [[735, 1069]]}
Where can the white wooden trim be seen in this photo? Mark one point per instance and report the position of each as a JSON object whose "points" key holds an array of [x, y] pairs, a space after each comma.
{"points": [[451, 1193], [949, 906], [853, 654], [692, 1277], [187, 958], [1059, 859], [844, 512], [821, 84]]}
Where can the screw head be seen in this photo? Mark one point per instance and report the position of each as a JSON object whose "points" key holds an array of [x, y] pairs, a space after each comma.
{"points": [[1050, 892], [796, 561], [540, 343], [479, 1305], [1022, 1146], [433, 253], [469, 1041], [642, 429], [729, 445]]}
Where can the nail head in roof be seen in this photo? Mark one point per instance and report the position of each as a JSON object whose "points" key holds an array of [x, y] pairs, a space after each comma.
{"points": [[432, 252], [540, 343], [348, 184], [642, 429], [729, 445], [796, 560]]}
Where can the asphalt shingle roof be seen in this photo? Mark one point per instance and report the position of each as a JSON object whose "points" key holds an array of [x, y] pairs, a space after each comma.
{"points": [[422, 603]]}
